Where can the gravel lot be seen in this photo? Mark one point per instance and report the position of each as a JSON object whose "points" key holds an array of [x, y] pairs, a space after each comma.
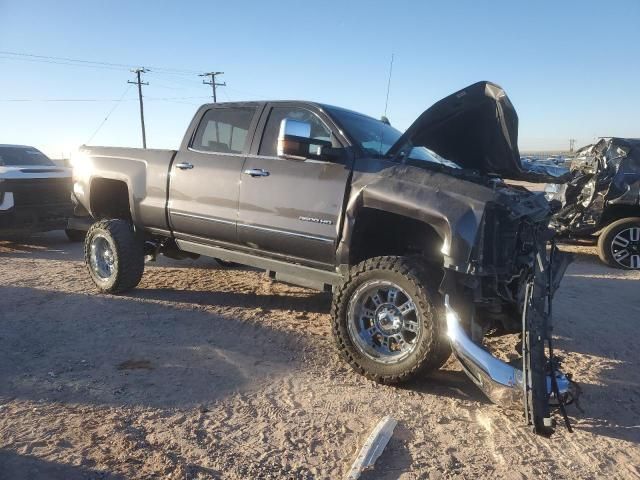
{"points": [[205, 372]]}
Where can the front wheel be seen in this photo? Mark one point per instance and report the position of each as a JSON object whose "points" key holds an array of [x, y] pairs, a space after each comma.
{"points": [[619, 244], [114, 256], [388, 320]]}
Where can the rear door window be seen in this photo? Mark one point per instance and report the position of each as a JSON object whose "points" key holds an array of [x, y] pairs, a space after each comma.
{"points": [[224, 130]]}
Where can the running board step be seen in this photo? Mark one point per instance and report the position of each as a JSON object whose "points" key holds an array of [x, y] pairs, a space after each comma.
{"points": [[285, 272]]}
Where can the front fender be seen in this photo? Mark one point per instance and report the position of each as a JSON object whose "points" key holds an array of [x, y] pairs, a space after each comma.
{"points": [[453, 207]]}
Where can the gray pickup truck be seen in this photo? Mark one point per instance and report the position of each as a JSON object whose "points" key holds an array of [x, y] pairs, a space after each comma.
{"points": [[423, 245]]}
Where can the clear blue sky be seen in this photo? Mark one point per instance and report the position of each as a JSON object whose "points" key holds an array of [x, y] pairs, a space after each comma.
{"points": [[571, 68]]}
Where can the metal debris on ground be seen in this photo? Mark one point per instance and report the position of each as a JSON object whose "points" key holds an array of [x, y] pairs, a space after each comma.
{"points": [[373, 447]]}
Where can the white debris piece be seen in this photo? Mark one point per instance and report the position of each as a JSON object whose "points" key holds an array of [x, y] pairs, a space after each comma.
{"points": [[373, 447]]}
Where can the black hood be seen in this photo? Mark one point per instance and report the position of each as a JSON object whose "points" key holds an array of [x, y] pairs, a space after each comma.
{"points": [[476, 127]]}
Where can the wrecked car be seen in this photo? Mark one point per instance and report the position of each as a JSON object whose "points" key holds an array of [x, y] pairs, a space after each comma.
{"points": [[424, 246], [602, 199]]}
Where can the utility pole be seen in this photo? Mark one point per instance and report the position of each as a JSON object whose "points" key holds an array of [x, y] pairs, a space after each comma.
{"points": [[572, 144], [139, 82], [213, 82]]}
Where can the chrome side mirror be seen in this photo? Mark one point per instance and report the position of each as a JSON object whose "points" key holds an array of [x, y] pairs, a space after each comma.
{"points": [[294, 140]]}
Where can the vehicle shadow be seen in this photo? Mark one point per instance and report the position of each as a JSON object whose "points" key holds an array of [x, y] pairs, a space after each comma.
{"points": [[309, 301], [14, 466], [447, 382], [599, 342], [582, 253], [49, 246], [395, 458], [112, 351]]}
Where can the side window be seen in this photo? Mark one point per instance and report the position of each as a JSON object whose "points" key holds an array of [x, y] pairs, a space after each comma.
{"points": [[224, 130], [269, 143]]}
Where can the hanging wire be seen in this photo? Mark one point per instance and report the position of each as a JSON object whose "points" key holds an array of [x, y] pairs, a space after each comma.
{"points": [[109, 114]]}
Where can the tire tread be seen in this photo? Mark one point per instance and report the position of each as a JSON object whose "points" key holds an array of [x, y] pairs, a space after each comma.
{"points": [[435, 351], [129, 251], [606, 236]]}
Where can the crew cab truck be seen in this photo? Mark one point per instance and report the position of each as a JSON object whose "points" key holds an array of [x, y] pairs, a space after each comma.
{"points": [[422, 243]]}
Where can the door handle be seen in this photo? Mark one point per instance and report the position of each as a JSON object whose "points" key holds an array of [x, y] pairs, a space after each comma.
{"points": [[184, 166], [256, 172]]}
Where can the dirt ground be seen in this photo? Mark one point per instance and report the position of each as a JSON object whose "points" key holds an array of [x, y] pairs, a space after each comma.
{"points": [[206, 372]]}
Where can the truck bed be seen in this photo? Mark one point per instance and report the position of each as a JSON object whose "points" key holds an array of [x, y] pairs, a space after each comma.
{"points": [[145, 171]]}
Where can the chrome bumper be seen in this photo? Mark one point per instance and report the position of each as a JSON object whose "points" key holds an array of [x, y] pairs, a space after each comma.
{"points": [[502, 383]]}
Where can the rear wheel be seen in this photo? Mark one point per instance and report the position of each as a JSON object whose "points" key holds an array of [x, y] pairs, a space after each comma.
{"points": [[388, 321], [619, 244], [114, 256]]}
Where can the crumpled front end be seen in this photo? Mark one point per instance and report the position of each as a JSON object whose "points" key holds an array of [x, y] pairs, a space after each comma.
{"points": [[603, 175], [517, 269]]}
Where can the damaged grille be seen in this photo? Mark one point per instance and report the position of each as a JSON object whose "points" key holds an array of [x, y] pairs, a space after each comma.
{"points": [[498, 248], [40, 192]]}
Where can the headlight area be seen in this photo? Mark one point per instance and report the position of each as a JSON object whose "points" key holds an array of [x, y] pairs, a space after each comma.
{"points": [[6, 201], [78, 189]]}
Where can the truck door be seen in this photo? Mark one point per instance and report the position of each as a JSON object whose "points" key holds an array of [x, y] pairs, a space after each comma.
{"points": [[205, 175], [287, 206]]}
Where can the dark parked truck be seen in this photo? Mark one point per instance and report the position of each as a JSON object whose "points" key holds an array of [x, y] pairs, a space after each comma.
{"points": [[424, 246], [35, 194], [601, 198]]}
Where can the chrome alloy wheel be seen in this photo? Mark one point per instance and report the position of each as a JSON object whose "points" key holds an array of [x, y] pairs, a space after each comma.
{"points": [[383, 321], [101, 257], [625, 248]]}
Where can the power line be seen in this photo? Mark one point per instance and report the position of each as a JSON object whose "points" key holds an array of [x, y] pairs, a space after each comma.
{"points": [[59, 100], [9, 55], [139, 82], [94, 99], [60, 63], [109, 114], [213, 82]]}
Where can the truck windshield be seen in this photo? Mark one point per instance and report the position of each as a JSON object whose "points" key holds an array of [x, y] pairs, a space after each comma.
{"points": [[374, 136], [23, 156]]}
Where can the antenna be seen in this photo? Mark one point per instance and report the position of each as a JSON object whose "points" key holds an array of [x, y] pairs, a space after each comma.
{"points": [[386, 103]]}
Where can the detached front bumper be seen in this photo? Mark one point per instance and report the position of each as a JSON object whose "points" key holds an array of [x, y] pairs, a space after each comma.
{"points": [[502, 383]]}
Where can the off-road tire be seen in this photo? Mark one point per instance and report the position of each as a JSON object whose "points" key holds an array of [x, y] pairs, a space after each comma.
{"points": [[606, 238], [128, 251], [432, 350], [75, 235]]}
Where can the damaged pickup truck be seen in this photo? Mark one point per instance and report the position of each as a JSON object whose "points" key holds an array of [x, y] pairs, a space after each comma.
{"points": [[601, 197], [424, 246]]}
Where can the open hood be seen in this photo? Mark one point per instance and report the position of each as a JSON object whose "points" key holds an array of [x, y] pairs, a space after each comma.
{"points": [[476, 127]]}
